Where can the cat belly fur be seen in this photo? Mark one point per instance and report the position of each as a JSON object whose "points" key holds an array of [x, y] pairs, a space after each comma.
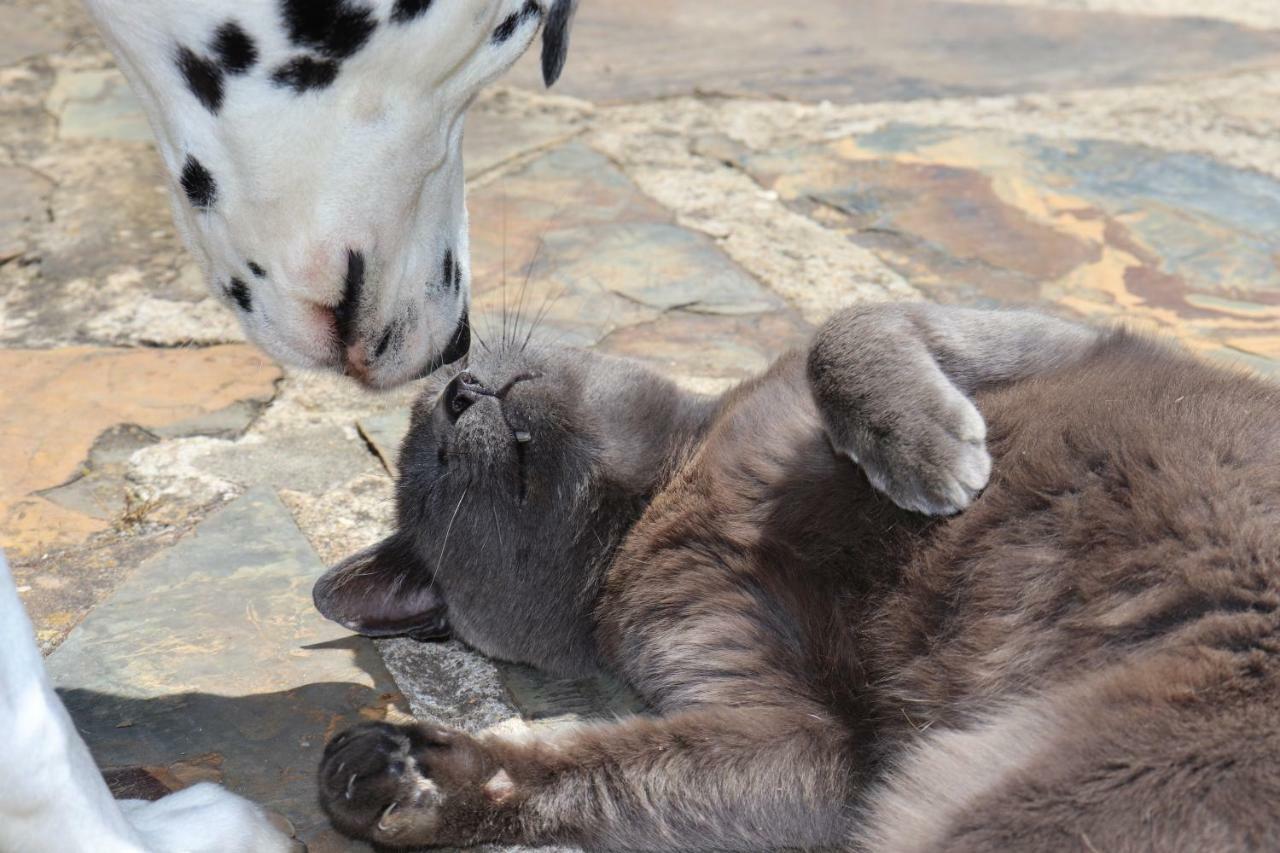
{"points": [[1118, 577]]}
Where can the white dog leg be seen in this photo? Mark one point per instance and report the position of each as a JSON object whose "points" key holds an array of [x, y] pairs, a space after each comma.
{"points": [[52, 797]]}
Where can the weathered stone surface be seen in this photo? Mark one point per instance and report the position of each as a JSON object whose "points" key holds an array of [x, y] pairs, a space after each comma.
{"points": [[1175, 242], [24, 34], [384, 432], [570, 243], [505, 125], [23, 201], [95, 104], [880, 50], [59, 588], [70, 396], [686, 344], [1264, 14], [211, 661]]}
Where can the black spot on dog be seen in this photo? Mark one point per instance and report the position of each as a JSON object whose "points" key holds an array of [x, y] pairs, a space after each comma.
{"points": [[507, 28], [236, 52], [303, 73], [458, 346], [394, 333], [334, 28], [451, 277], [239, 291], [256, 270], [459, 342], [555, 39], [203, 77], [344, 314], [198, 184], [406, 10]]}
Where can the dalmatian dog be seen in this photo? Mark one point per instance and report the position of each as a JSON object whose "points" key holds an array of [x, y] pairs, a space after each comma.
{"points": [[315, 155]]}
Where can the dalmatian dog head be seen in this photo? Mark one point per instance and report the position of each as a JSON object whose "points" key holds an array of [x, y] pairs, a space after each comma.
{"points": [[315, 150]]}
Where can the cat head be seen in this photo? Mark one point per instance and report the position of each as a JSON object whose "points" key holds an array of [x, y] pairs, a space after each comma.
{"points": [[519, 476]]}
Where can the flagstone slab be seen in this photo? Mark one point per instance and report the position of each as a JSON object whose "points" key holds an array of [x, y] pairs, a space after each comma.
{"points": [[1179, 243], [24, 34], [23, 197], [210, 662], [570, 243], [66, 398], [97, 104], [692, 344], [882, 50]]}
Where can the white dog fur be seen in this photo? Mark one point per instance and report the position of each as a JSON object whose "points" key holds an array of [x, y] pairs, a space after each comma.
{"points": [[369, 163], [301, 179]]}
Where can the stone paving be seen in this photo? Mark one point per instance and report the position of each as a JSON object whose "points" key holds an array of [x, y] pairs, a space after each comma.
{"points": [[707, 182]]}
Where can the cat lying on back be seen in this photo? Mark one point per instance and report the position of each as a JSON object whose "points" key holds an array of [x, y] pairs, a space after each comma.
{"points": [[1085, 659]]}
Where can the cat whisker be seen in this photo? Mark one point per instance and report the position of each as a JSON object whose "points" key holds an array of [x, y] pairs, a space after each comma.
{"points": [[448, 530], [548, 302]]}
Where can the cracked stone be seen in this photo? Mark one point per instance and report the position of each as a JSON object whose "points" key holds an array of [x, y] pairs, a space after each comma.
{"points": [[238, 669], [24, 34], [683, 344], [23, 199], [97, 105], [505, 125], [70, 396], [1174, 242], [570, 240], [881, 50]]}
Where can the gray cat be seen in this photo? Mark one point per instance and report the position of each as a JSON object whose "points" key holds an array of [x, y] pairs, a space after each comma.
{"points": [[1085, 659]]}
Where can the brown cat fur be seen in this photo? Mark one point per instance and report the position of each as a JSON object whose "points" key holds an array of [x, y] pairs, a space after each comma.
{"points": [[1085, 659]]}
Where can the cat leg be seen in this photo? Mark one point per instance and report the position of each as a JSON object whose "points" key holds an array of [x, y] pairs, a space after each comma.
{"points": [[893, 381], [707, 778]]}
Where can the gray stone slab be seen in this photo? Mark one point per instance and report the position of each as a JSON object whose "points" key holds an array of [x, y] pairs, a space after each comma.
{"points": [[882, 50], [384, 432], [210, 661], [24, 34], [23, 197], [98, 105]]}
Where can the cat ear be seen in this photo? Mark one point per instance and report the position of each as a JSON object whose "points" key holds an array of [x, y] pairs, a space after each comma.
{"points": [[555, 38], [383, 591]]}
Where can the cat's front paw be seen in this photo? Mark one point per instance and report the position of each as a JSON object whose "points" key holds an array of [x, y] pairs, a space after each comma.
{"points": [[932, 459], [410, 786]]}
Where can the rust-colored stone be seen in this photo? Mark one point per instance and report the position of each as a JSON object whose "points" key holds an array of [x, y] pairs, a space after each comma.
{"points": [[58, 401]]}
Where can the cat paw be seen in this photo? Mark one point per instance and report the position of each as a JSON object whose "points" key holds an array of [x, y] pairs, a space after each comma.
{"points": [[933, 460], [407, 786]]}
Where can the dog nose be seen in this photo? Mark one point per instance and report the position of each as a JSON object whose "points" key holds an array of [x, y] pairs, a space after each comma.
{"points": [[357, 365], [463, 390]]}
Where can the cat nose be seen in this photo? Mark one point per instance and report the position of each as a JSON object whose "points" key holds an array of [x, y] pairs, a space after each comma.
{"points": [[461, 392]]}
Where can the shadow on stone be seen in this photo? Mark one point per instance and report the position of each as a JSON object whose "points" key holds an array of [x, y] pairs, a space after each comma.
{"points": [[265, 747]]}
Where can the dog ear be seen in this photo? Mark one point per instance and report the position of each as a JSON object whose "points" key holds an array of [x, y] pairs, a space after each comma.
{"points": [[555, 38], [382, 591]]}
